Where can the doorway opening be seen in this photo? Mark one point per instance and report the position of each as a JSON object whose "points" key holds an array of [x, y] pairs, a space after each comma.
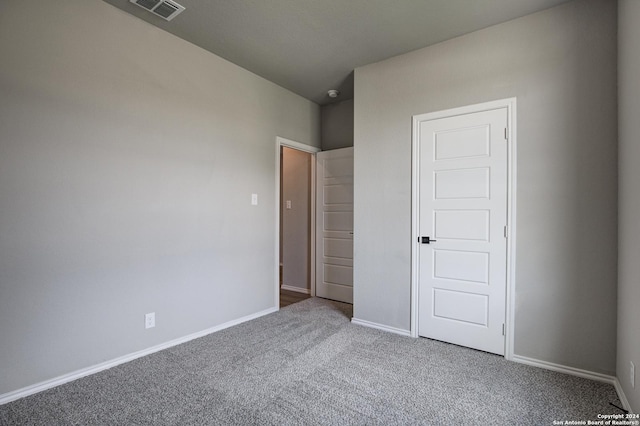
{"points": [[295, 222]]}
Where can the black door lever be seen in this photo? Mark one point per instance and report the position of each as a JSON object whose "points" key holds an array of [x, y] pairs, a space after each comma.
{"points": [[427, 240]]}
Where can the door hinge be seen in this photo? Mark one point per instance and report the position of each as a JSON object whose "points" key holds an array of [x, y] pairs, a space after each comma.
{"points": [[503, 329], [506, 231], [506, 134]]}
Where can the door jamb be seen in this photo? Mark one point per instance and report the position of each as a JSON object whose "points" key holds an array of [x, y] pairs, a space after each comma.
{"points": [[510, 105], [280, 142]]}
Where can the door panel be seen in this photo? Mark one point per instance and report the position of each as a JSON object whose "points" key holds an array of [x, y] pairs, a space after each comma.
{"points": [[338, 248], [461, 183], [460, 306], [334, 225], [462, 143], [462, 192], [462, 224], [338, 221], [447, 265]]}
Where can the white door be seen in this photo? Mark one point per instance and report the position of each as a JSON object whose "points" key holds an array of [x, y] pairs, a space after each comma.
{"points": [[462, 218], [334, 225]]}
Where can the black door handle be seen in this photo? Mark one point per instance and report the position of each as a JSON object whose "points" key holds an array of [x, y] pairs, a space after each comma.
{"points": [[427, 240]]}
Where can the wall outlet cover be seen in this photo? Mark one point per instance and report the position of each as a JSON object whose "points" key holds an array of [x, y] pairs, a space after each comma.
{"points": [[150, 320]]}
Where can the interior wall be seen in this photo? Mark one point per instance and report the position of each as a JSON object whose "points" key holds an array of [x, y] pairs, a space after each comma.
{"points": [[296, 224], [560, 64], [337, 125], [127, 162], [629, 199]]}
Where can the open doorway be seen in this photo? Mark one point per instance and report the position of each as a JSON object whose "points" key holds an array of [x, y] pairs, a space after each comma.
{"points": [[296, 222]]}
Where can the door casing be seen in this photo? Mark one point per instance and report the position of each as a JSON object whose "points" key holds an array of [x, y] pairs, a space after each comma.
{"points": [[280, 142], [510, 105]]}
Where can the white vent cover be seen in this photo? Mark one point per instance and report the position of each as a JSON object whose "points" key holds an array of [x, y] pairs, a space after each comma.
{"points": [[166, 9]]}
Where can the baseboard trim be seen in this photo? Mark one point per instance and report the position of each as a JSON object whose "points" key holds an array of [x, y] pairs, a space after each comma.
{"points": [[296, 289], [621, 395], [586, 374], [382, 327], [598, 377], [69, 377]]}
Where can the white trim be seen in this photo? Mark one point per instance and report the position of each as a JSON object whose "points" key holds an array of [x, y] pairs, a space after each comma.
{"points": [[572, 371], [312, 227], [510, 320], [382, 327], [280, 142], [296, 289], [69, 377], [585, 374], [296, 145], [621, 395], [415, 270], [510, 104]]}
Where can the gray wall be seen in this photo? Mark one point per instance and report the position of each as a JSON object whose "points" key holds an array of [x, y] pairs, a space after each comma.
{"points": [[561, 66], [127, 162], [337, 125], [629, 198], [296, 226]]}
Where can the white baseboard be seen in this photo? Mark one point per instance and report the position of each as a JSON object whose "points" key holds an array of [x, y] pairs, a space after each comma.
{"points": [[598, 377], [621, 395], [296, 289], [381, 327], [65, 378]]}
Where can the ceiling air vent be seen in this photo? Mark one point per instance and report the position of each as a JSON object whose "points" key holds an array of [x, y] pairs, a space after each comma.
{"points": [[166, 9]]}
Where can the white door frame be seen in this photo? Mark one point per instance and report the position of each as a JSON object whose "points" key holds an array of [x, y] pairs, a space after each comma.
{"points": [[280, 142], [510, 104]]}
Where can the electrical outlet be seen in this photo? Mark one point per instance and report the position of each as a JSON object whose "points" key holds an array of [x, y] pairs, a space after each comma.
{"points": [[288, 204], [632, 374], [254, 199], [150, 320]]}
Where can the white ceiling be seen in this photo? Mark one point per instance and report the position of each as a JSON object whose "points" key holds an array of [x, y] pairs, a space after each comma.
{"points": [[311, 46]]}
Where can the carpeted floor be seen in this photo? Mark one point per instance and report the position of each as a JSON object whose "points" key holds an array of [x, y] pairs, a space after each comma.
{"points": [[308, 365]]}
